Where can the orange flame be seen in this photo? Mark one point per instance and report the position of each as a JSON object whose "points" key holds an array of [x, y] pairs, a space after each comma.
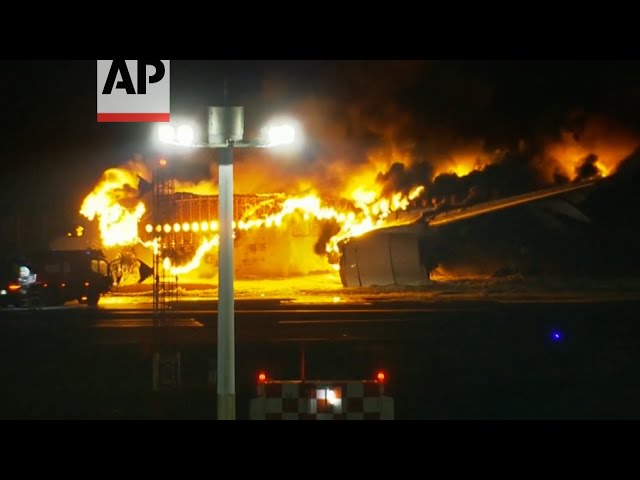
{"points": [[351, 222], [114, 202], [367, 205], [463, 161], [609, 143]]}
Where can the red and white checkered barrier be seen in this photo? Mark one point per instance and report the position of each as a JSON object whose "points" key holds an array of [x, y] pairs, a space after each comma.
{"points": [[321, 400]]}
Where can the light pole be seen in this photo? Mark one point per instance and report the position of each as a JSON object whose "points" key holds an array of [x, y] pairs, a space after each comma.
{"points": [[226, 327], [226, 127], [226, 131]]}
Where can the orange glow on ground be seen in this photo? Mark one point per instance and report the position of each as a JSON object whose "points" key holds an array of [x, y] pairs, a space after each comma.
{"points": [[321, 289]]}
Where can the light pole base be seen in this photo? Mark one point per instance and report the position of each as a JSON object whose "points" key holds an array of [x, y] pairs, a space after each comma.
{"points": [[226, 406]]}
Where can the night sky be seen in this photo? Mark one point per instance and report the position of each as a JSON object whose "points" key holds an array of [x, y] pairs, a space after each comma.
{"points": [[54, 151]]}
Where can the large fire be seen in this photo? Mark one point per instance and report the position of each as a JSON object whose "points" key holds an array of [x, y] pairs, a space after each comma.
{"points": [[363, 214], [116, 204], [366, 202], [114, 201], [598, 150], [464, 161]]}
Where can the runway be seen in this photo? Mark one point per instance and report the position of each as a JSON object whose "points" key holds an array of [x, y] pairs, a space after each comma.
{"points": [[279, 320], [478, 358]]}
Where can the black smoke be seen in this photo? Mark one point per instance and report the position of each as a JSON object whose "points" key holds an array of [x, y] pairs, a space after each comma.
{"points": [[327, 230], [536, 241]]}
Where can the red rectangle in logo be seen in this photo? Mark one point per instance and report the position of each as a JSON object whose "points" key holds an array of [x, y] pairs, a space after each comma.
{"points": [[133, 117]]}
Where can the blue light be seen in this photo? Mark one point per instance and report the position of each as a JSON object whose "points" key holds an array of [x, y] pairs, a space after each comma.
{"points": [[557, 336]]}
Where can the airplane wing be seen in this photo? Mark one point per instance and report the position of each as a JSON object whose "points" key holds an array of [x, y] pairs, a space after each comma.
{"points": [[463, 213]]}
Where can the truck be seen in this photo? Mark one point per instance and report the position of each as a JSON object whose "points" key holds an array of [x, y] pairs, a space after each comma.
{"points": [[54, 277]]}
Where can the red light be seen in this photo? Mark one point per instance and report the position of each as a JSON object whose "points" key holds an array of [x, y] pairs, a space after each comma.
{"points": [[262, 377], [380, 376]]}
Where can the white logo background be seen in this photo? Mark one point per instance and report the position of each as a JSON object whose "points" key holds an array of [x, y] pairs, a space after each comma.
{"points": [[156, 100]]}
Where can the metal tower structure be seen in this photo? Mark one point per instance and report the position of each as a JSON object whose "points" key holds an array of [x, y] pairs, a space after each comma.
{"points": [[166, 359], [165, 285]]}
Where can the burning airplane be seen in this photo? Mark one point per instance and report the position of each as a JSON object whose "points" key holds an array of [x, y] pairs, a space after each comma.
{"points": [[276, 235], [376, 223], [405, 255]]}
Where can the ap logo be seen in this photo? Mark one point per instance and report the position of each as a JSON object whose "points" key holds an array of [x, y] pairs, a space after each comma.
{"points": [[133, 91]]}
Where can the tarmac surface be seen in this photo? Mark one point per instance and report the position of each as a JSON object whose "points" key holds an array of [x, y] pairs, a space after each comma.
{"points": [[467, 350]]}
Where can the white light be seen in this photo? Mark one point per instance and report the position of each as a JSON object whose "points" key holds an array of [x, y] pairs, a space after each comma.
{"points": [[331, 398], [185, 135], [3, 292], [282, 134], [166, 134]]}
